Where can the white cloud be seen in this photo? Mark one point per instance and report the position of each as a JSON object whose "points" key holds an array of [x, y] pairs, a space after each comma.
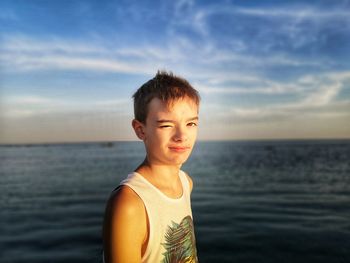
{"points": [[22, 53], [15, 63], [305, 12], [273, 89], [114, 102], [27, 100], [24, 106], [289, 112], [196, 47], [316, 99], [297, 13], [251, 85], [20, 43], [322, 95]]}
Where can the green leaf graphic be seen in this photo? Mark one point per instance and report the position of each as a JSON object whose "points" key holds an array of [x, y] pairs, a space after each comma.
{"points": [[180, 243]]}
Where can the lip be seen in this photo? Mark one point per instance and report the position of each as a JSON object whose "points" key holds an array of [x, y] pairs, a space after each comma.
{"points": [[179, 149]]}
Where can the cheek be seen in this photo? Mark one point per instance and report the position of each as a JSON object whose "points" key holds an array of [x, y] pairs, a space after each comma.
{"points": [[194, 132], [157, 137]]}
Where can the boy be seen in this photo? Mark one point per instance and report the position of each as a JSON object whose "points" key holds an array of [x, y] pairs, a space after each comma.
{"points": [[148, 217]]}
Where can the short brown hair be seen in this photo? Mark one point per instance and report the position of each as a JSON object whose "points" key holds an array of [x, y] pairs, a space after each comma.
{"points": [[166, 87]]}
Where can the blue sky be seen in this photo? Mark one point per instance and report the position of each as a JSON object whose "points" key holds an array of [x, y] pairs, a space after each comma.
{"points": [[264, 69]]}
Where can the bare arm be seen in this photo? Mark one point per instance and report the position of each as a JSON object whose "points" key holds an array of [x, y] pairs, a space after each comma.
{"points": [[125, 227]]}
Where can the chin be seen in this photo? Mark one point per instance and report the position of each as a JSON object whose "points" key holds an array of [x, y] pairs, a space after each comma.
{"points": [[179, 161]]}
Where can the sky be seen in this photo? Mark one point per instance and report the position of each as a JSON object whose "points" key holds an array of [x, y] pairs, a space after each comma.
{"points": [[264, 69]]}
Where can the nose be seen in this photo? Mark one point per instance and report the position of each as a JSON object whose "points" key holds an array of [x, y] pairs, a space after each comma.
{"points": [[180, 135]]}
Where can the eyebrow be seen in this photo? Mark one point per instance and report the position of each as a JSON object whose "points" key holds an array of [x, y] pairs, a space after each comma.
{"points": [[190, 119]]}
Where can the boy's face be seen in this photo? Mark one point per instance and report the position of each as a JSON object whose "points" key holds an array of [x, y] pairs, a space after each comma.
{"points": [[170, 133]]}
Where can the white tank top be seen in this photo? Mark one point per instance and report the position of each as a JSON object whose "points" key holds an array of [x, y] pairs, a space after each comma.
{"points": [[171, 234]]}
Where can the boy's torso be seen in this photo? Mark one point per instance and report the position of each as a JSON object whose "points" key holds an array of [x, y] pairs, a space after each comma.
{"points": [[171, 233]]}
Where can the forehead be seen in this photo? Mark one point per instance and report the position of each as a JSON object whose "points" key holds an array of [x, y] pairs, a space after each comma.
{"points": [[181, 107]]}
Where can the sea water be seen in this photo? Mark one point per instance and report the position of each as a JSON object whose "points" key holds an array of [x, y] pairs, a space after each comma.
{"points": [[253, 201]]}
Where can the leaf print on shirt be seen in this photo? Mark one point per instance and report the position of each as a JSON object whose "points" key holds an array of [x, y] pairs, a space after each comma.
{"points": [[180, 243]]}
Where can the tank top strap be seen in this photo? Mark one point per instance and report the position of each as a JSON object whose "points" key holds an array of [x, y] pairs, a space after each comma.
{"points": [[185, 183]]}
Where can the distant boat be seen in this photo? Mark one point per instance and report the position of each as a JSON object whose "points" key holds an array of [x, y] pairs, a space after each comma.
{"points": [[107, 144]]}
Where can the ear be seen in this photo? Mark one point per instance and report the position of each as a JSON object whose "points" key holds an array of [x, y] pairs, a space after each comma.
{"points": [[139, 129]]}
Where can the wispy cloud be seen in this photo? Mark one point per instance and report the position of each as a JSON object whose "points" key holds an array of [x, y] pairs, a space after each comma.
{"points": [[22, 53], [202, 15], [300, 12], [256, 65], [317, 99], [320, 102], [29, 105], [271, 88], [283, 31], [50, 62], [288, 112]]}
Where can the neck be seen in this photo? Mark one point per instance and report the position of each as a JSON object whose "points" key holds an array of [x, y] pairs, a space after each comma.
{"points": [[164, 174]]}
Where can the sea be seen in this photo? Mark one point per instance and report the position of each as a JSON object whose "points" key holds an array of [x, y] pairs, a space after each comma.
{"points": [[253, 201]]}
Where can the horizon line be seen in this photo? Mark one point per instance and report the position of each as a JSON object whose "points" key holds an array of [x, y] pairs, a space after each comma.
{"points": [[107, 142]]}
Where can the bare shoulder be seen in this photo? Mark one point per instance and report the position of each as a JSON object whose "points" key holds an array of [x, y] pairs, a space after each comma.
{"points": [[125, 226], [127, 200], [126, 207], [190, 181]]}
